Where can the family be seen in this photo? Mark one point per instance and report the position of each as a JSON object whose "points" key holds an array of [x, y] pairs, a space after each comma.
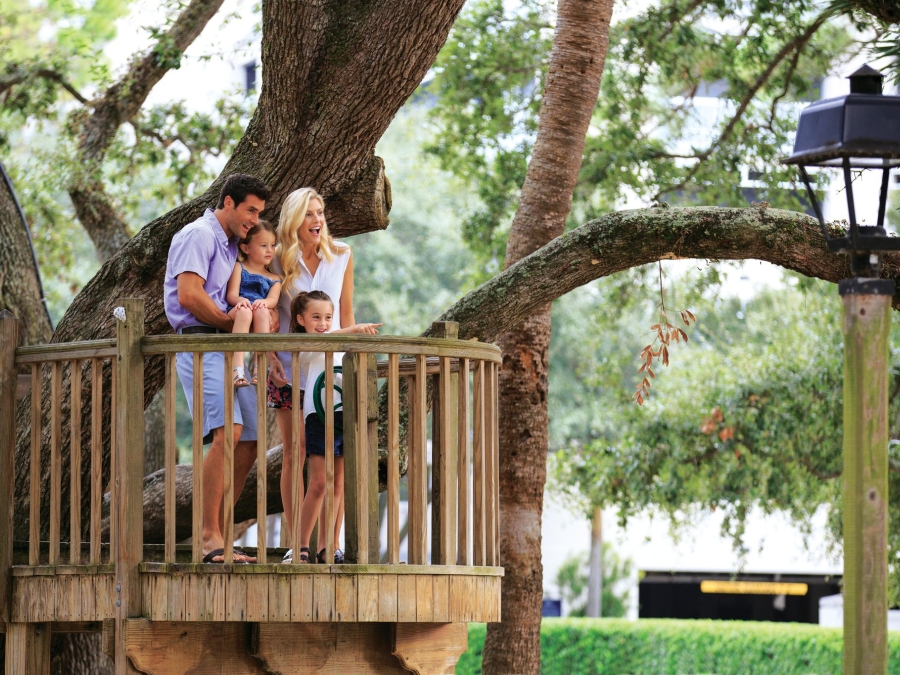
{"points": [[231, 272]]}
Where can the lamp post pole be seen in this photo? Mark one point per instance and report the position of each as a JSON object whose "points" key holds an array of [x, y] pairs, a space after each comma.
{"points": [[859, 132], [866, 326]]}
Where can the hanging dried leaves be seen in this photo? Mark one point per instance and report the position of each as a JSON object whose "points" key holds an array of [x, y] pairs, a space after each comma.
{"points": [[667, 334]]}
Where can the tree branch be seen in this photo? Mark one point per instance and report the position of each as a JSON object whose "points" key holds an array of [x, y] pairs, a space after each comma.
{"points": [[20, 74], [619, 241], [120, 103], [794, 45]]}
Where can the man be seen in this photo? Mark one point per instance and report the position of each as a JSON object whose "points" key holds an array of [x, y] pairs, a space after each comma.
{"points": [[201, 259]]}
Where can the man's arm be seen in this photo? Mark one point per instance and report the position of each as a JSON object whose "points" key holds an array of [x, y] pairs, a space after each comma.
{"points": [[194, 298]]}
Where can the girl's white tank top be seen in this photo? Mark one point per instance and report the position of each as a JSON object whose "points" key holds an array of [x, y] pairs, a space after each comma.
{"points": [[329, 278]]}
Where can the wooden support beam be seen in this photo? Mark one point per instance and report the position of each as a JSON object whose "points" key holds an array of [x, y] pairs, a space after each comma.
{"points": [[867, 324], [28, 649], [9, 338], [430, 648], [129, 464], [199, 648]]}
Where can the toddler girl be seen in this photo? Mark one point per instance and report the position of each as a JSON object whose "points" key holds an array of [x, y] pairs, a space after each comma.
{"points": [[253, 289], [312, 313]]}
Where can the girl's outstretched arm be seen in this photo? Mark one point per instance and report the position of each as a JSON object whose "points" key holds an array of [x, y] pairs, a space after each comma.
{"points": [[359, 329]]}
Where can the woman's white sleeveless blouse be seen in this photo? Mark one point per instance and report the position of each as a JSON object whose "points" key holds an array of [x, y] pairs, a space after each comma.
{"points": [[329, 278]]}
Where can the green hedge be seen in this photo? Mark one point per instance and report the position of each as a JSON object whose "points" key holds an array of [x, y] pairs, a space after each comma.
{"points": [[674, 647]]}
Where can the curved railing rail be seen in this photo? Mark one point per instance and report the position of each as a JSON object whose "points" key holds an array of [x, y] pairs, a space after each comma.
{"points": [[453, 379]]}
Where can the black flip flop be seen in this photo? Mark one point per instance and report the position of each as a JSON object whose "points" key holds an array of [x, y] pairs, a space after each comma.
{"points": [[208, 558]]}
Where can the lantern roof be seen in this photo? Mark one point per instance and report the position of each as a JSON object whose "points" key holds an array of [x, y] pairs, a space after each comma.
{"points": [[862, 127]]}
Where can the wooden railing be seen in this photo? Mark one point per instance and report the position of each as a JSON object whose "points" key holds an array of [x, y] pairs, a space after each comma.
{"points": [[456, 380]]}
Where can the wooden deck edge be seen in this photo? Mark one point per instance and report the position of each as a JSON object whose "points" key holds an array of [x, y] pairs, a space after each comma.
{"points": [[69, 627], [219, 568]]}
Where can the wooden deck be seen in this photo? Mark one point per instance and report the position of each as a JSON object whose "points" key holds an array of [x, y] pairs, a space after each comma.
{"points": [[163, 611], [262, 593]]}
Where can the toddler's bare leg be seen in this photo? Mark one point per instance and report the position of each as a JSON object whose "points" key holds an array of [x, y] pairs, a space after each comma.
{"points": [[242, 318]]}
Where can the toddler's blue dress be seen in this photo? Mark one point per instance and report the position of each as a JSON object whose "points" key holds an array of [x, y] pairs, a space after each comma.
{"points": [[254, 286]]}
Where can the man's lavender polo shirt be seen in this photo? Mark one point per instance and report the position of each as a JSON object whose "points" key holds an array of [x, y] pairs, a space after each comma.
{"points": [[202, 248]]}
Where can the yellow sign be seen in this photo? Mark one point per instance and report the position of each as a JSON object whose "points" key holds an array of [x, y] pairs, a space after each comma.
{"points": [[753, 587]]}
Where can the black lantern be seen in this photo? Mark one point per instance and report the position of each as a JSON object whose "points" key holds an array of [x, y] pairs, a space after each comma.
{"points": [[860, 131]]}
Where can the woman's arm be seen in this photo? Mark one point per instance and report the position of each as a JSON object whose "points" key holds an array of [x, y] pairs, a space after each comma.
{"points": [[347, 317], [233, 290]]}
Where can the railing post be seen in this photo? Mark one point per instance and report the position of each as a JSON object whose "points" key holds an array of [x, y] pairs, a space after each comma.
{"points": [[360, 495], [443, 454], [9, 339], [129, 448]]}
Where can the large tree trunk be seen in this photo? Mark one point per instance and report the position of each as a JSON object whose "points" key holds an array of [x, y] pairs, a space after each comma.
{"points": [[20, 281], [573, 82]]}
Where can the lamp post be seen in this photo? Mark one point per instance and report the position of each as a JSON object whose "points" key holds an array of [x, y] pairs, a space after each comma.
{"points": [[855, 133]]}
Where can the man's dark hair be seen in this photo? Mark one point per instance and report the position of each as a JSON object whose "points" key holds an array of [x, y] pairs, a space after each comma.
{"points": [[239, 185]]}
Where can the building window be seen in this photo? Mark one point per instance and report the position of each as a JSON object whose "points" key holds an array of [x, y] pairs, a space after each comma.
{"points": [[250, 77]]}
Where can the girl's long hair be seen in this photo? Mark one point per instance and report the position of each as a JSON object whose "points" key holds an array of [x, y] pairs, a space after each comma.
{"points": [[288, 252], [301, 302]]}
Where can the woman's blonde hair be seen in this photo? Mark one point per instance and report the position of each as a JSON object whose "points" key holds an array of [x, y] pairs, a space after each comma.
{"points": [[293, 212]]}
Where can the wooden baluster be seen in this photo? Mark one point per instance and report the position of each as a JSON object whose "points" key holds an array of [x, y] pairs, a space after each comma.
{"points": [[463, 557], [55, 459], [327, 528], [129, 466], [261, 494], [356, 457], [443, 453], [228, 463], [479, 519], [9, 339], [75, 463], [197, 467], [96, 457], [34, 523], [113, 441], [393, 461], [495, 463], [297, 428], [444, 474], [171, 458], [418, 471]]}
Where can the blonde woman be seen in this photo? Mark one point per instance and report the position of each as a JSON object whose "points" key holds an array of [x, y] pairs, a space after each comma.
{"points": [[309, 260]]}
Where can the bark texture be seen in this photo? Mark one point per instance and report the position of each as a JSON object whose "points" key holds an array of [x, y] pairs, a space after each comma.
{"points": [[573, 83], [119, 104], [20, 281]]}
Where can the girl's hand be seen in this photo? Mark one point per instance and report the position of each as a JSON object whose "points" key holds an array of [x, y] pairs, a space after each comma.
{"points": [[257, 304], [276, 372], [366, 328], [242, 302]]}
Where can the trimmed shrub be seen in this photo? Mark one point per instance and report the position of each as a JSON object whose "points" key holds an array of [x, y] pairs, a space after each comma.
{"points": [[676, 647]]}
